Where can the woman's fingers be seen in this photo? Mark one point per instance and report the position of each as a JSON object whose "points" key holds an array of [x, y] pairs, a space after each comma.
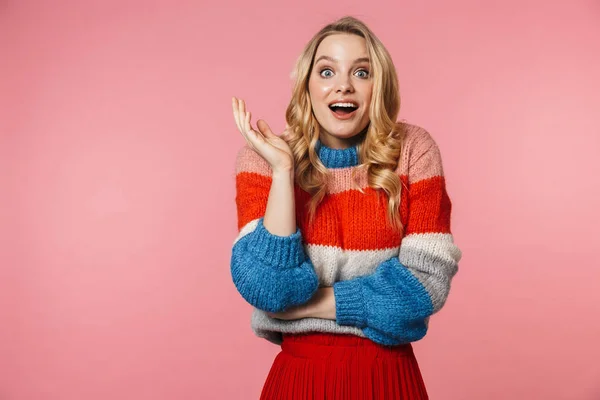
{"points": [[258, 139], [239, 122], [264, 128], [249, 130], [236, 113], [233, 101], [242, 117], [247, 122], [239, 114], [242, 111]]}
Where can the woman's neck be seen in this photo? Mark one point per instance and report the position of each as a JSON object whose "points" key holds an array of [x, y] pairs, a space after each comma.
{"points": [[337, 143], [337, 158]]}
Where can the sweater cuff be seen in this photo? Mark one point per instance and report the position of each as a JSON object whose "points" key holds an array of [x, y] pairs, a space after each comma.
{"points": [[349, 303], [276, 251]]}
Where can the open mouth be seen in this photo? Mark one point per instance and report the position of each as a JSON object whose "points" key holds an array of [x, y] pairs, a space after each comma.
{"points": [[343, 110]]}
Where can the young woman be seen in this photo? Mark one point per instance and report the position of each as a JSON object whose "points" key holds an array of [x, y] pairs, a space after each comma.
{"points": [[344, 245]]}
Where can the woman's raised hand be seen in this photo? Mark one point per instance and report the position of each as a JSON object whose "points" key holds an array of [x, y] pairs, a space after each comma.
{"points": [[269, 146]]}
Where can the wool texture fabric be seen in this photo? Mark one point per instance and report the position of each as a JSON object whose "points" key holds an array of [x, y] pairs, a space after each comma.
{"points": [[324, 366], [386, 283]]}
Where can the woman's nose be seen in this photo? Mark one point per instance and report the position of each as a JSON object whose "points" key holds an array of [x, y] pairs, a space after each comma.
{"points": [[344, 85]]}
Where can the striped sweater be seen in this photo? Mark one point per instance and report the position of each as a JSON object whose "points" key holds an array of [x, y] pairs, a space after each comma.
{"points": [[386, 285]]}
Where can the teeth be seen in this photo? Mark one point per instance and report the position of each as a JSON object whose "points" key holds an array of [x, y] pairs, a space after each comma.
{"points": [[343, 105]]}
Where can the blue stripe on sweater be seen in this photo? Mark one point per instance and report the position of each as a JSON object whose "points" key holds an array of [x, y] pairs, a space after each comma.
{"points": [[272, 272], [390, 305]]}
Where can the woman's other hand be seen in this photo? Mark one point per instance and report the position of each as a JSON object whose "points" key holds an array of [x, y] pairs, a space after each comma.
{"points": [[269, 146], [321, 305]]}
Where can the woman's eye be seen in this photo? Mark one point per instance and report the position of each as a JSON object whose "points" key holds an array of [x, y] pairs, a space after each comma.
{"points": [[327, 73]]}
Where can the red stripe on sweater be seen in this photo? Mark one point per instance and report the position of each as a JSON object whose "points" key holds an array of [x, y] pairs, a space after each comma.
{"points": [[429, 207], [352, 220], [252, 193]]}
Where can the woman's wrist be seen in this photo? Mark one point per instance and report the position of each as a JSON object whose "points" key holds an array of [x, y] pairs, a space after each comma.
{"points": [[283, 173]]}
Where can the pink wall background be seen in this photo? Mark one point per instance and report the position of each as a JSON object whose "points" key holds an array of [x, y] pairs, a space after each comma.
{"points": [[117, 213]]}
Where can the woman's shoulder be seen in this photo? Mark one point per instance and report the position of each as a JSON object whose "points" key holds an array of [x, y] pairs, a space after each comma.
{"points": [[248, 160], [415, 135], [417, 143]]}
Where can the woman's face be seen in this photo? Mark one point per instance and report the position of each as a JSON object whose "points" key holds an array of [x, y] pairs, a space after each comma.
{"points": [[341, 77]]}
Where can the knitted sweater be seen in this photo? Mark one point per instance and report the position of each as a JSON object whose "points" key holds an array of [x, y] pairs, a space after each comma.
{"points": [[386, 286]]}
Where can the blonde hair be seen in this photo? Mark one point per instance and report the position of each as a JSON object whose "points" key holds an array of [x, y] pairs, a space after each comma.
{"points": [[380, 150]]}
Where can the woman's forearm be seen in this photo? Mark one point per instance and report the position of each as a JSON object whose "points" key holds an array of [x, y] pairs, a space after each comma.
{"points": [[268, 253], [280, 213]]}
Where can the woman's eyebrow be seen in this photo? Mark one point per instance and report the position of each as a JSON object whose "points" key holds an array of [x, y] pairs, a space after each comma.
{"points": [[358, 60]]}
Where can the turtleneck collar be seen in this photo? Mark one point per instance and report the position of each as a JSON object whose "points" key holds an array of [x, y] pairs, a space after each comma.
{"points": [[337, 158]]}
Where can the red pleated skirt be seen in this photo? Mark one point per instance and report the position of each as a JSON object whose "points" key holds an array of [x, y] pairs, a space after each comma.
{"points": [[319, 366]]}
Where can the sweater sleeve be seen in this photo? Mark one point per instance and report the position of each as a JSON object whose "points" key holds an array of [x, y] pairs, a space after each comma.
{"points": [[393, 304], [271, 272]]}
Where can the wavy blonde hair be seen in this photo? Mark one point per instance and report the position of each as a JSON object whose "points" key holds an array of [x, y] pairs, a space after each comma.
{"points": [[379, 152]]}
